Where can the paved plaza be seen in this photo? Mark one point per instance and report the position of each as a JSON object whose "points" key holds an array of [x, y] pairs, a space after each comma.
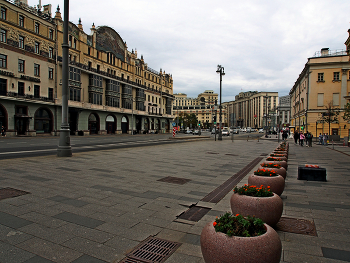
{"points": [[97, 206]]}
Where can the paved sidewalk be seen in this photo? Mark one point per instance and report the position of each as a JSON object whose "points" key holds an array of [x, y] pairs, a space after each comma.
{"points": [[96, 206]]}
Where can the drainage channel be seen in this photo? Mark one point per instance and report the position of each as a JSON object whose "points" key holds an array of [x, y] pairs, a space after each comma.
{"points": [[220, 192], [195, 213]]}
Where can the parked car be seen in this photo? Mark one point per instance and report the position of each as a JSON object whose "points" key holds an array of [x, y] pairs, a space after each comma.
{"points": [[196, 131], [261, 130], [235, 130], [213, 131], [188, 131]]}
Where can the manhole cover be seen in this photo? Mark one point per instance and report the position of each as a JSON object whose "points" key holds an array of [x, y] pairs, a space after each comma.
{"points": [[152, 250], [195, 213], [9, 192], [174, 180], [295, 225]]}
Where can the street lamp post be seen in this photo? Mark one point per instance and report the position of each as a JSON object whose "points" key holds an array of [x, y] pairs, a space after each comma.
{"points": [[266, 97], [64, 148], [220, 71]]}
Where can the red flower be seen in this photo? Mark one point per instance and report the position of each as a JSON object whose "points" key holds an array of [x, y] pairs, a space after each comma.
{"points": [[214, 224]]}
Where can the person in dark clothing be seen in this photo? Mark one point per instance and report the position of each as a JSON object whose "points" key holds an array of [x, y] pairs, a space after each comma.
{"points": [[296, 137]]}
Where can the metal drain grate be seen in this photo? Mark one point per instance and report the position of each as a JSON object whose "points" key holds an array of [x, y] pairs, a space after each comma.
{"points": [[174, 180], [194, 213], [152, 250], [9, 192], [297, 226]]}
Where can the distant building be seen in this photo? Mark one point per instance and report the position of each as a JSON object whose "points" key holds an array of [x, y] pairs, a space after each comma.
{"points": [[283, 112], [205, 107], [253, 109]]}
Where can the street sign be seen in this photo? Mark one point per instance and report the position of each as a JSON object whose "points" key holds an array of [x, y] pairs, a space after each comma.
{"points": [[174, 123]]}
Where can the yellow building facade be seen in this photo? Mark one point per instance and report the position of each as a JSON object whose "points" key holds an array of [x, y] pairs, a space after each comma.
{"points": [[111, 89], [323, 83]]}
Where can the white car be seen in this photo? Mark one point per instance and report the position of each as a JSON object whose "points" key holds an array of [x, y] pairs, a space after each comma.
{"points": [[261, 130], [225, 132]]}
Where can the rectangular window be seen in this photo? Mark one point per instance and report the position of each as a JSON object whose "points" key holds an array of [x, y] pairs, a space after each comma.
{"points": [[336, 76], [36, 70], [50, 73], [335, 99], [21, 42], [70, 41], [74, 74], [75, 43], [74, 94], [50, 52], [3, 61], [36, 27], [50, 92], [50, 33], [36, 47], [21, 65], [21, 88], [95, 81], [89, 51], [320, 99], [320, 77], [3, 87], [21, 20], [95, 98], [3, 13], [36, 91], [3, 36]]}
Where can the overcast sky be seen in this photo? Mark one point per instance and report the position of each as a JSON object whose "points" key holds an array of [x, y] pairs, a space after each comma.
{"points": [[262, 44]]}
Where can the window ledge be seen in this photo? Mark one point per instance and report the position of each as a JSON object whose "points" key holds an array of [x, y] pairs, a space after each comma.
{"points": [[336, 80], [320, 81]]}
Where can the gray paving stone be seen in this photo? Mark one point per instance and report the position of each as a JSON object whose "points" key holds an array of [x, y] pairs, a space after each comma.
{"points": [[13, 236], [38, 259], [13, 221], [49, 250], [35, 178], [79, 220], [88, 259], [68, 201], [12, 254]]}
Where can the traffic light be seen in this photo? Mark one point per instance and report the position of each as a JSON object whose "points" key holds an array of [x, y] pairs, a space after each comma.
{"points": [[199, 124]]}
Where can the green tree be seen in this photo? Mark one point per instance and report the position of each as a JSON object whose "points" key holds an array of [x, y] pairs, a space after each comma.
{"points": [[330, 115], [346, 116]]}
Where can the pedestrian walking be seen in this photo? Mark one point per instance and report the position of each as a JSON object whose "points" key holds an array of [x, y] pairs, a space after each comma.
{"points": [[296, 137], [301, 140], [3, 131], [320, 139], [309, 139]]}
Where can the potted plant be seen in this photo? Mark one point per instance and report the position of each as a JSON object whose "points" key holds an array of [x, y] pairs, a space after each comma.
{"points": [[259, 201], [234, 238], [278, 160], [274, 166], [267, 177]]}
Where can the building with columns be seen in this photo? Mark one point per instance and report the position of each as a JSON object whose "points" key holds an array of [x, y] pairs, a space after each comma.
{"points": [[249, 109], [323, 82], [283, 112], [111, 89]]}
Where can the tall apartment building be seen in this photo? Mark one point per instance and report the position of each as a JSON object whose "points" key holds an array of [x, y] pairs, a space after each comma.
{"points": [[249, 109], [324, 81], [205, 107], [283, 112], [111, 89]]}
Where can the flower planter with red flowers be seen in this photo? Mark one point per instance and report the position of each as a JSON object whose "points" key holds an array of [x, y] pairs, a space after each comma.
{"points": [[281, 156], [267, 177], [219, 247], [247, 200], [284, 153], [274, 166], [278, 161]]}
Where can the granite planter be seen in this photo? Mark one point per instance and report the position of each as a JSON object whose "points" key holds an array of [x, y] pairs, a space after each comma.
{"points": [[281, 171], [282, 163], [283, 158], [276, 183], [284, 153], [217, 247], [268, 209]]}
